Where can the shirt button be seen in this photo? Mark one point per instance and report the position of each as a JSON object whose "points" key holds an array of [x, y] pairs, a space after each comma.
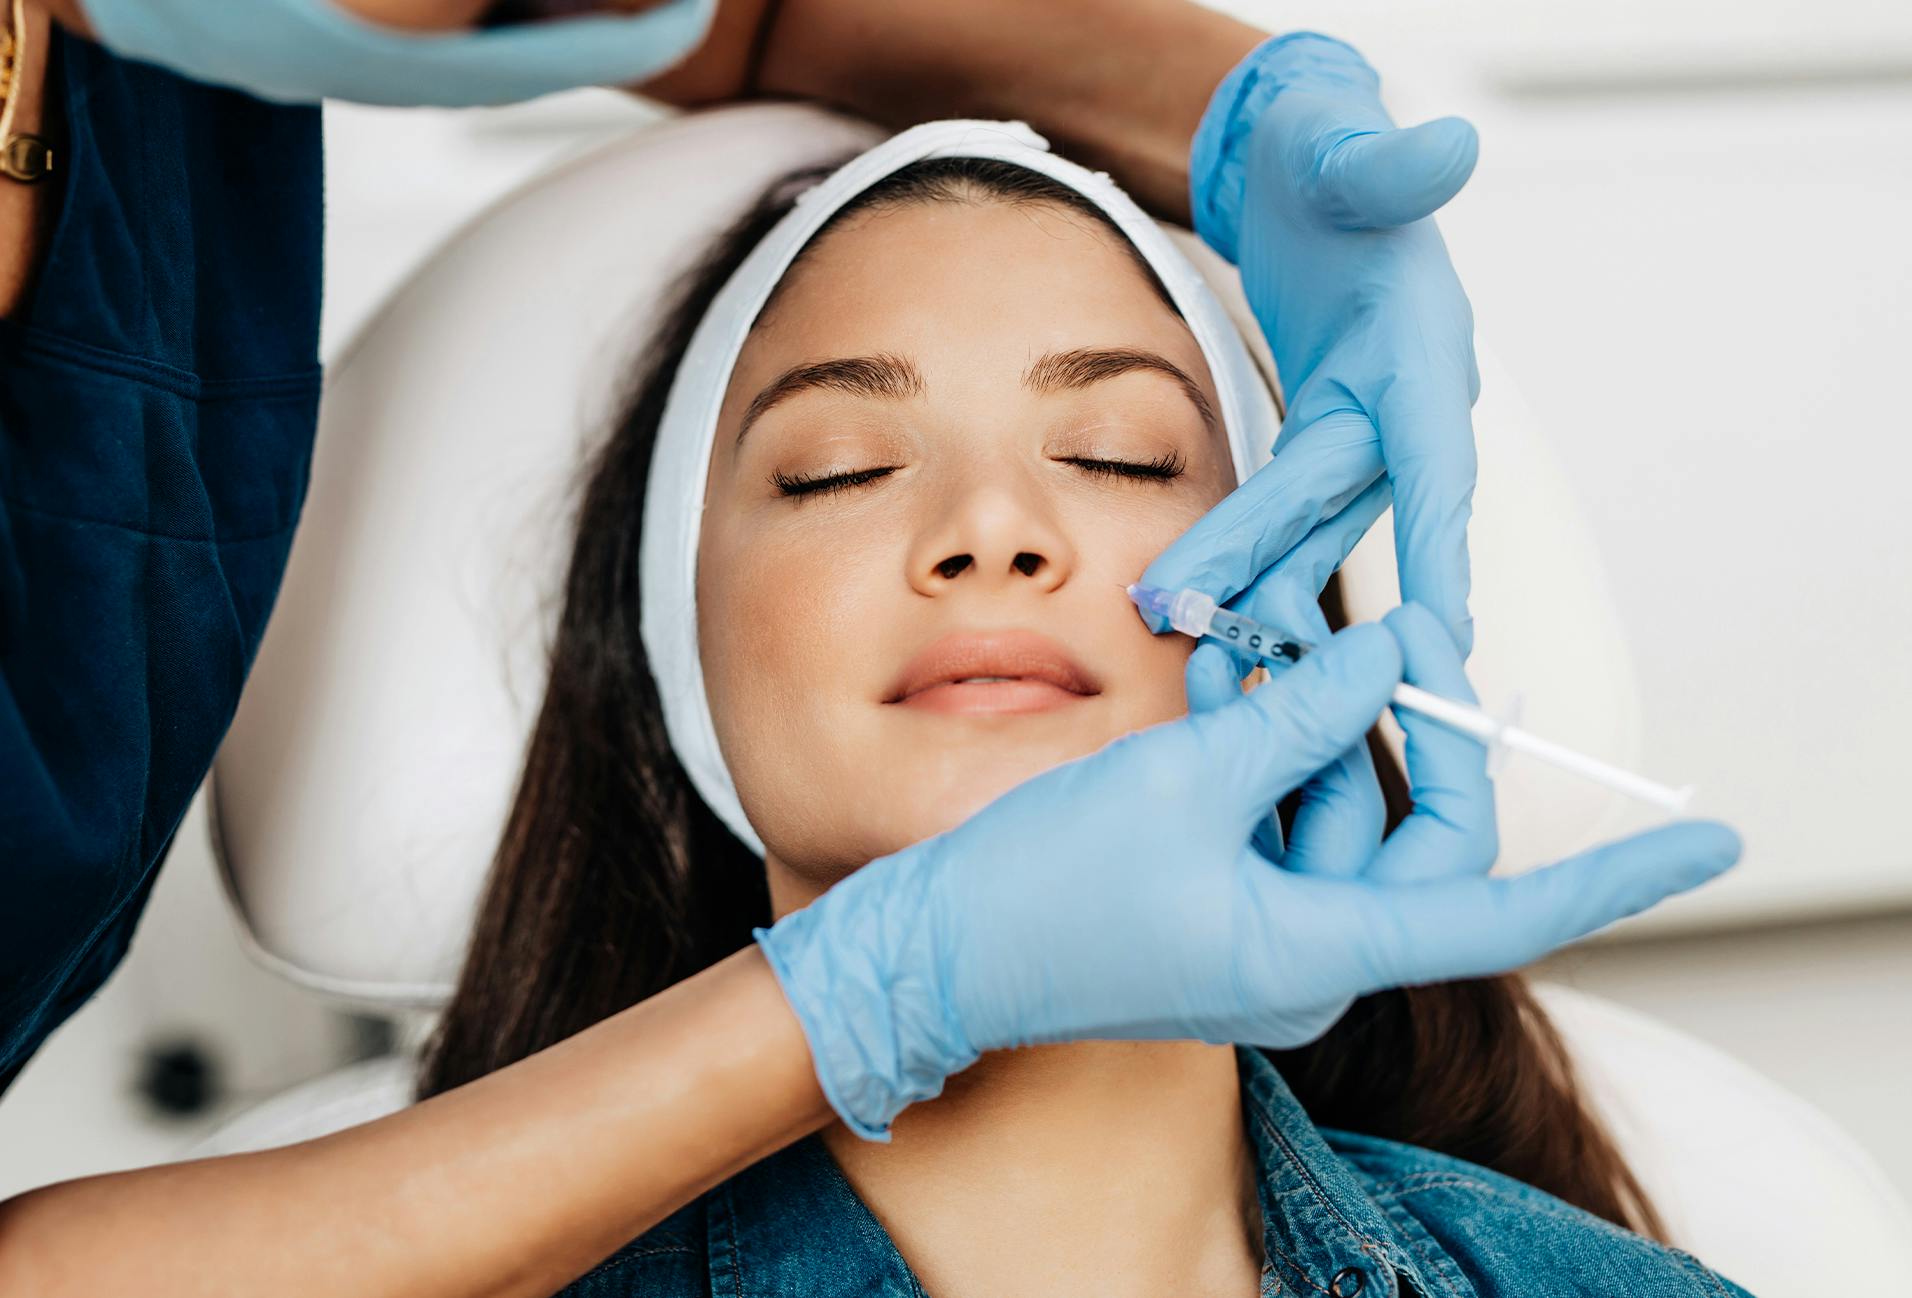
{"points": [[1347, 1282]]}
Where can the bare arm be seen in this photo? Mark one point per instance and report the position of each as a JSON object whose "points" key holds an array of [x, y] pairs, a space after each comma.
{"points": [[27, 211], [1119, 84], [512, 1185]]}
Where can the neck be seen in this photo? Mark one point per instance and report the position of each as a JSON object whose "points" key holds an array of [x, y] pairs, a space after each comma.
{"points": [[1102, 1167]]}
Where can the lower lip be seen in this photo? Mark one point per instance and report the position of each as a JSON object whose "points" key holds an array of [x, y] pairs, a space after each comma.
{"points": [[986, 697]]}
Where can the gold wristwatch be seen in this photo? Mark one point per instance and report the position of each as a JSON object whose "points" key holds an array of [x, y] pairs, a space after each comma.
{"points": [[24, 157]]}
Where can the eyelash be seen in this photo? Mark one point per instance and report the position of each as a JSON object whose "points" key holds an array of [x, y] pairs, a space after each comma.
{"points": [[828, 485], [1160, 469]]}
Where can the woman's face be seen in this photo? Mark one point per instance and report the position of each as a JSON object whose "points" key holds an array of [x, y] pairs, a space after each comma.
{"points": [[957, 433]]}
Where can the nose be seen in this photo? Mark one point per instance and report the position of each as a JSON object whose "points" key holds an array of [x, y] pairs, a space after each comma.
{"points": [[993, 534]]}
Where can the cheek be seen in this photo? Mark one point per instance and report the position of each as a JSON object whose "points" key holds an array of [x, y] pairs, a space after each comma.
{"points": [[1115, 543], [787, 590], [770, 612], [784, 620], [1157, 666], [1115, 537]]}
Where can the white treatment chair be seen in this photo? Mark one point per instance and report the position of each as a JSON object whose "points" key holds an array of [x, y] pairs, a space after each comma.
{"points": [[361, 791]]}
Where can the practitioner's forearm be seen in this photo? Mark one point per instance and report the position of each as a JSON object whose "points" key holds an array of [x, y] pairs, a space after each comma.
{"points": [[1119, 84], [512, 1185], [27, 211]]}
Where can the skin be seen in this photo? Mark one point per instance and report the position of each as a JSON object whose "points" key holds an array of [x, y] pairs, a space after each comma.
{"points": [[27, 211], [1117, 84], [1093, 1167], [984, 469], [624, 1123]]}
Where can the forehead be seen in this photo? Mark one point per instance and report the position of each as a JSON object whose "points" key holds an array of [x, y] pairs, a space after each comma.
{"points": [[983, 283]]}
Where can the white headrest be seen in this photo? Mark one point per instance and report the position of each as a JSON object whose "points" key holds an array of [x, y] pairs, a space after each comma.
{"points": [[359, 796]]}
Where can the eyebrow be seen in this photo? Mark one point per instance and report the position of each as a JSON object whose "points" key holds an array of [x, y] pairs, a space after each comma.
{"points": [[890, 378], [893, 378], [1087, 366]]}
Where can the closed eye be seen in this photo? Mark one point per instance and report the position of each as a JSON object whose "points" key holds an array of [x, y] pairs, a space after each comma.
{"points": [[825, 484], [1162, 468]]}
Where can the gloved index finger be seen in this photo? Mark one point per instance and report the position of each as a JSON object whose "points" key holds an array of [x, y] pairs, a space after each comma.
{"points": [[1427, 433], [1318, 473]]}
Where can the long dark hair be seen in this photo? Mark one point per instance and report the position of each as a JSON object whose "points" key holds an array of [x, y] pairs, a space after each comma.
{"points": [[614, 881]]}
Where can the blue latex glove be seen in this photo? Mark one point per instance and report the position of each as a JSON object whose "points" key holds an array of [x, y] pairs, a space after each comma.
{"points": [[301, 51], [1120, 897], [1300, 178], [1340, 814]]}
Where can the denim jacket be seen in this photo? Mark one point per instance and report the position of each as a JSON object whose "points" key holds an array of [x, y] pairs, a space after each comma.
{"points": [[1342, 1215]]}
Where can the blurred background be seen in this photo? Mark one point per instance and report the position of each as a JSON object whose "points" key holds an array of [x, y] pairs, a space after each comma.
{"points": [[1686, 242]]}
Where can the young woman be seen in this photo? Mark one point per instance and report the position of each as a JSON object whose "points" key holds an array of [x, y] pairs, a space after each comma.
{"points": [[966, 416]]}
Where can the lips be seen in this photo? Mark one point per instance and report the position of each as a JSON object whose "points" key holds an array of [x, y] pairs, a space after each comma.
{"points": [[996, 671]]}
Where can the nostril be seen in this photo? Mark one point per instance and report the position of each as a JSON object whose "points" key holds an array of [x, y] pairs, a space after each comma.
{"points": [[1027, 563], [951, 566]]}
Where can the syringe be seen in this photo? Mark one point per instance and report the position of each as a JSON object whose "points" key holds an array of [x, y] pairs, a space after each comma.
{"points": [[1195, 614]]}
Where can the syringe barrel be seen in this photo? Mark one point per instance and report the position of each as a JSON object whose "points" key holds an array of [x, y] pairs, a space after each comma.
{"points": [[1255, 639], [1193, 613]]}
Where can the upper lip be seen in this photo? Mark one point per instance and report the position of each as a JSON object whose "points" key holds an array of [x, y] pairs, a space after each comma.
{"points": [[1021, 655]]}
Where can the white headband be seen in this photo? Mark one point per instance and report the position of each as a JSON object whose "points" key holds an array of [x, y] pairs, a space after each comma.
{"points": [[680, 466]]}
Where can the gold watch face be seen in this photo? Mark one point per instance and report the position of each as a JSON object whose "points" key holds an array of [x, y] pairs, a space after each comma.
{"points": [[27, 158]]}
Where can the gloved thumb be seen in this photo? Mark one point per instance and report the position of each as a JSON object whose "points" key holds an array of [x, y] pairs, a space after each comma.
{"points": [[1389, 178]]}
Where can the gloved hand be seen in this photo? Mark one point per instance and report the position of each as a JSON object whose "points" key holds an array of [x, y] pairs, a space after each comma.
{"points": [[1301, 179], [1119, 896], [301, 51]]}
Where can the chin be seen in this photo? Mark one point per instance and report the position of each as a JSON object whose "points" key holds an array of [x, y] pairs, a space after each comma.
{"points": [[935, 791], [892, 787]]}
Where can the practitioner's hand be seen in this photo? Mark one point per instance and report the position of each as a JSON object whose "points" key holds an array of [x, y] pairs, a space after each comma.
{"points": [[396, 51], [1299, 176], [1120, 896], [1341, 814]]}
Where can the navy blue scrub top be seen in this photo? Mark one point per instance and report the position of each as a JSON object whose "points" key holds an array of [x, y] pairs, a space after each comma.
{"points": [[158, 398]]}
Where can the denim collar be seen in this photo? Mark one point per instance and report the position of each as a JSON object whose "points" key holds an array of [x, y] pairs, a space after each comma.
{"points": [[792, 1223]]}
